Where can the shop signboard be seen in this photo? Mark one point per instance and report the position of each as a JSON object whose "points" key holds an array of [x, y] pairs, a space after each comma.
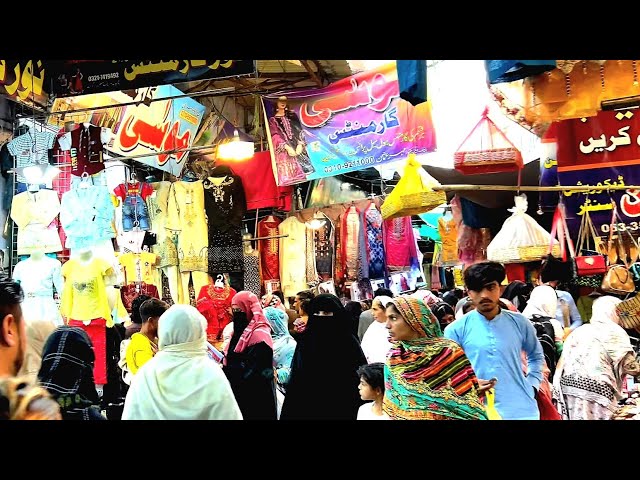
{"points": [[148, 130], [352, 124], [601, 151], [23, 80], [81, 77]]}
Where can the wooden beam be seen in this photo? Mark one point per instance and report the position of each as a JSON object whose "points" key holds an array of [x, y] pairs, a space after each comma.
{"points": [[314, 76], [323, 75]]}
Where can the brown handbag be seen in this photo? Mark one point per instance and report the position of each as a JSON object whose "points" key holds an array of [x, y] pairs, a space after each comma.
{"points": [[618, 280]]}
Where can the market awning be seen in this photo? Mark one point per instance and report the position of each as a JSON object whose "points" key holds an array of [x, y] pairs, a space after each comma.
{"points": [[487, 198]]}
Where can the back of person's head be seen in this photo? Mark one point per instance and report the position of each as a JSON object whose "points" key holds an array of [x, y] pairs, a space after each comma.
{"points": [[12, 339], [279, 294], [373, 374], [354, 309], [305, 300], [21, 399], [478, 275], [383, 291], [181, 324], [11, 296], [152, 308], [135, 308]]}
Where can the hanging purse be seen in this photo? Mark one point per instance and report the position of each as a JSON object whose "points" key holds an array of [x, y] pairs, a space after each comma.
{"points": [[618, 279], [589, 262], [557, 268], [629, 313]]}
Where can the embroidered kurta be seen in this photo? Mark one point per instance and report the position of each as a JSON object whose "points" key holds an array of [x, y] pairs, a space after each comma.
{"points": [[34, 214], [269, 249], [324, 250], [139, 267], [351, 242], [158, 206], [374, 242], [215, 303], [225, 205], [252, 281], [38, 279], [399, 244], [186, 216], [292, 256], [86, 215]]}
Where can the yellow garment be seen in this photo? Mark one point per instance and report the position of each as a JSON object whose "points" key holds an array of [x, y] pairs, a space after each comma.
{"points": [[449, 234], [139, 267], [492, 413], [84, 296], [139, 352], [33, 212], [293, 247], [186, 216]]}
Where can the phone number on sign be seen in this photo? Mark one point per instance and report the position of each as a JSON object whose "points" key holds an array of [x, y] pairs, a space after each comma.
{"points": [[347, 165], [620, 227]]}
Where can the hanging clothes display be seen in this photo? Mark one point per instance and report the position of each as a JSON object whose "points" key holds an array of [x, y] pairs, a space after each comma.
{"points": [[324, 242], [34, 213], [352, 230], [214, 303], [86, 214], [166, 241], [374, 243], [38, 276], [269, 248], [399, 244], [312, 272], [292, 256], [138, 267], [86, 143], [259, 184], [128, 293], [134, 208], [449, 235], [31, 148], [251, 269], [186, 216], [339, 261], [225, 205]]}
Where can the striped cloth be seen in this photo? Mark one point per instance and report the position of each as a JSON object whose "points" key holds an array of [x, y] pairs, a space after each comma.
{"points": [[429, 378]]}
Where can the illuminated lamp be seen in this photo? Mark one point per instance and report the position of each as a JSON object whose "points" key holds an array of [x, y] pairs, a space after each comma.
{"points": [[235, 149], [39, 174]]}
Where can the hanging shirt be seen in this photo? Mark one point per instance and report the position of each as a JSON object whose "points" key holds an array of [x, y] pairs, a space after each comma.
{"points": [[494, 349], [86, 214], [374, 243], [252, 281], [34, 214], [86, 145], [84, 296], [31, 149], [157, 205], [269, 248], [143, 189], [399, 243], [324, 249], [351, 242], [312, 273], [214, 304], [38, 279], [449, 235], [293, 256], [139, 267]]}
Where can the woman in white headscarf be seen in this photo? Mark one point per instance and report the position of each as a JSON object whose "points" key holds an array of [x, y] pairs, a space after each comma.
{"points": [[375, 341], [541, 311], [181, 382], [595, 359]]}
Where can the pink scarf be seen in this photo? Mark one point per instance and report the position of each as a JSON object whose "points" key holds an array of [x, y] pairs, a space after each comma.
{"points": [[259, 329]]}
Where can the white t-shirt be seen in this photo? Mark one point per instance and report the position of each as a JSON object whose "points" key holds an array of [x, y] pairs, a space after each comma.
{"points": [[365, 412]]}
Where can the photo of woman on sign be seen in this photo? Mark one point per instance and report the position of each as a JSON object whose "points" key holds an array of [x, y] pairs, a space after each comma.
{"points": [[289, 145]]}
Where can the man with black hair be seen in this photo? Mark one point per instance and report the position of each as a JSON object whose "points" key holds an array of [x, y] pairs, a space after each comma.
{"points": [[493, 339], [366, 317], [143, 345], [13, 336]]}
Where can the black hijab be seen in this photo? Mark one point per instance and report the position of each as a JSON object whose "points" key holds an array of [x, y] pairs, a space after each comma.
{"points": [[67, 373], [517, 292], [327, 357]]}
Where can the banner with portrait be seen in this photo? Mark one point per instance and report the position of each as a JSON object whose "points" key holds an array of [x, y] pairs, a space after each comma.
{"points": [[352, 124]]}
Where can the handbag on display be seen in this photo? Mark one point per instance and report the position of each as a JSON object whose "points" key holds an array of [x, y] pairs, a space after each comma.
{"points": [[413, 194], [555, 266], [629, 313], [589, 265], [618, 280], [487, 150]]}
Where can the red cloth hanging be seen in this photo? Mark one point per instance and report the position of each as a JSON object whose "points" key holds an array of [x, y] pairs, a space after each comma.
{"points": [[97, 331]]}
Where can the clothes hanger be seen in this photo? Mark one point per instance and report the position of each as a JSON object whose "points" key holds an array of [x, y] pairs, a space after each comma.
{"points": [[84, 183], [219, 281]]}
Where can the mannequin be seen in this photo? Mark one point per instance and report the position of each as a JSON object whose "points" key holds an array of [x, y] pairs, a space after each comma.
{"points": [[88, 298], [38, 275]]}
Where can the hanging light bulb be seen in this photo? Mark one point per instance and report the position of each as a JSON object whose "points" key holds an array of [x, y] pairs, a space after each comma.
{"points": [[235, 149]]}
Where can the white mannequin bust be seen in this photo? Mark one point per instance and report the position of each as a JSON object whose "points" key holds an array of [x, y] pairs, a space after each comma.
{"points": [[85, 255], [37, 255]]}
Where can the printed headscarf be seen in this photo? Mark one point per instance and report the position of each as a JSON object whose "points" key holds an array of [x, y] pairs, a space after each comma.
{"points": [[284, 344], [67, 373], [271, 300], [258, 330], [429, 376]]}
